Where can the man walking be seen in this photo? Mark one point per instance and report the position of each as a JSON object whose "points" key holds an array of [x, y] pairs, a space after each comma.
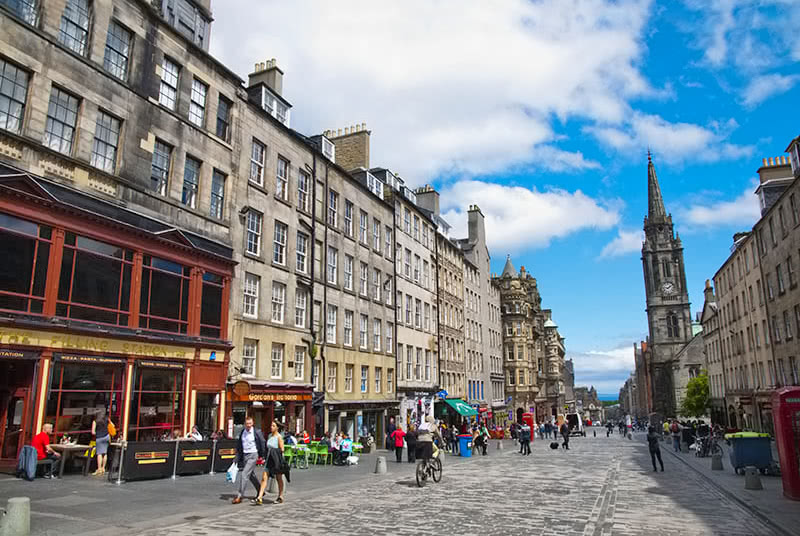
{"points": [[675, 429], [609, 428], [525, 440], [250, 447], [390, 428], [655, 449], [565, 434]]}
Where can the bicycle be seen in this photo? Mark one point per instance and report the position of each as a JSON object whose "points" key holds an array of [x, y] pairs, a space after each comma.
{"points": [[430, 468]]}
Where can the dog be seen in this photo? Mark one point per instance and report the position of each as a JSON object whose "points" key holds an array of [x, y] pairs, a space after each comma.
{"points": [[554, 445]]}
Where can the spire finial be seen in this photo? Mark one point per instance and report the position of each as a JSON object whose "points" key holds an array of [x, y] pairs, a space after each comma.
{"points": [[655, 203]]}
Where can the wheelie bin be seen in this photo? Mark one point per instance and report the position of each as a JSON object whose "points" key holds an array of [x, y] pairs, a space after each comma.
{"points": [[749, 448], [465, 445]]}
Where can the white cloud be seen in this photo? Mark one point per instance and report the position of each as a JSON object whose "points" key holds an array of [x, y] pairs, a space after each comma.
{"points": [[626, 241], [743, 211], [671, 142], [761, 88], [449, 86], [518, 217], [607, 370]]}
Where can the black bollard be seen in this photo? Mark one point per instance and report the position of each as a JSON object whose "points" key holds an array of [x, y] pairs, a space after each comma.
{"points": [[594, 432]]}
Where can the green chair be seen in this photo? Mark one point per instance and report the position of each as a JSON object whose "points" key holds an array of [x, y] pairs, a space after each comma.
{"points": [[288, 454], [321, 451]]}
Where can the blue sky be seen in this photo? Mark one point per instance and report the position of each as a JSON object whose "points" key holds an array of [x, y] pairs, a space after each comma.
{"points": [[542, 113]]}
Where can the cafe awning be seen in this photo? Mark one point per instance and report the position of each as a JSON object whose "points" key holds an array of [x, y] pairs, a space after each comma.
{"points": [[461, 407]]}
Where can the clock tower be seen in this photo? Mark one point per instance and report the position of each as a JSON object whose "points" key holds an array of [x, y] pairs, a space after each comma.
{"points": [[668, 308]]}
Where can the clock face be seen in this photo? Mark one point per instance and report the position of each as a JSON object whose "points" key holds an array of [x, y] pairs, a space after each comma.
{"points": [[668, 288]]}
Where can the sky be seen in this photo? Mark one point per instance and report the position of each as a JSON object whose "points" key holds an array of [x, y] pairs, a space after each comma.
{"points": [[542, 113]]}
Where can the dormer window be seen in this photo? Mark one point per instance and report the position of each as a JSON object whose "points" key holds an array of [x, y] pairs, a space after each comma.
{"points": [[187, 18], [328, 149], [274, 106]]}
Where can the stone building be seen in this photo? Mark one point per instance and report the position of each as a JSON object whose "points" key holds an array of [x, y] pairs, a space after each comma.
{"points": [[668, 308], [557, 376], [587, 404], [117, 110], [417, 308]]}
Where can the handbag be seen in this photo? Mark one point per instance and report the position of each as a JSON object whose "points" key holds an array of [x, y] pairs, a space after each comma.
{"points": [[112, 430]]}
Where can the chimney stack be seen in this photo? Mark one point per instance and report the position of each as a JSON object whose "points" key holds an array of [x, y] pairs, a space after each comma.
{"points": [[428, 198], [352, 147], [269, 74]]}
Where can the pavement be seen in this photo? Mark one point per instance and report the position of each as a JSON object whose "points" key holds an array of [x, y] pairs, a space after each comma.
{"points": [[601, 486]]}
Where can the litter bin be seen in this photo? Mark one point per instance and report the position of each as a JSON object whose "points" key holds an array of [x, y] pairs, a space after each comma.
{"points": [[750, 448], [465, 445]]}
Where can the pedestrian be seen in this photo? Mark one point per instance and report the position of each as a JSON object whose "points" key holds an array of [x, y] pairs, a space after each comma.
{"points": [[411, 443], [609, 428], [675, 429], [389, 429], [655, 450], [275, 465], [250, 447], [396, 438], [525, 440], [548, 428], [565, 434], [102, 438]]}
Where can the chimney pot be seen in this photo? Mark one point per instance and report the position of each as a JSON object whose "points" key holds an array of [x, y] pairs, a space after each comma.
{"points": [[363, 126], [347, 130], [770, 161], [339, 132], [764, 162]]}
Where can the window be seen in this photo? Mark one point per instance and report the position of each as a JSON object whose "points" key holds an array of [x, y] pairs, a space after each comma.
{"points": [[389, 380], [168, 89], [299, 362], [408, 263], [217, 194], [22, 282], [62, 118], [427, 365], [300, 305], [377, 333], [191, 178], [418, 313], [348, 328], [254, 232], [159, 168], [378, 379], [364, 278], [249, 356], [376, 234], [426, 274], [250, 302], [418, 365], [364, 378], [224, 118], [772, 237], [106, 139], [362, 236], [282, 179], [156, 402], [770, 292], [787, 325], [409, 363], [118, 44], [27, 10], [387, 233], [389, 337], [330, 324], [427, 319], [303, 181], [348, 272], [278, 301], [672, 325], [333, 262], [779, 274], [197, 106], [13, 94], [302, 252], [348, 379], [348, 218], [408, 309], [74, 31], [793, 206], [376, 284], [331, 380], [362, 333], [416, 227], [388, 288], [164, 297], [333, 208], [425, 235], [211, 306], [276, 370], [776, 329], [407, 220], [279, 243], [790, 271], [315, 374]]}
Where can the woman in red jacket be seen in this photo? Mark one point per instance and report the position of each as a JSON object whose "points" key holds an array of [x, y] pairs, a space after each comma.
{"points": [[397, 436]]}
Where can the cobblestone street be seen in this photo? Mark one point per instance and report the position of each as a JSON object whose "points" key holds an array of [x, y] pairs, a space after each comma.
{"points": [[602, 486]]}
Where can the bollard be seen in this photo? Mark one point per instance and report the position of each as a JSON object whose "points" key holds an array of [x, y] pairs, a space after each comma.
{"points": [[17, 521], [716, 461], [380, 465], [499, 445], [272, 485], [751, 478], [594, 432], [630, 436]]}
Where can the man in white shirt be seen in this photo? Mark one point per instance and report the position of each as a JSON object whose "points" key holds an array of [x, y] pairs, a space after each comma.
{"points": [[250, 447]]}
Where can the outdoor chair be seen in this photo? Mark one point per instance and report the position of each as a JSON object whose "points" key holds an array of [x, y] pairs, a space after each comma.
{"points": [[47, 464], [86, 458], [321, 452]]}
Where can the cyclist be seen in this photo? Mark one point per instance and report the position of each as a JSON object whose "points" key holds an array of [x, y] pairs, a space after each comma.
{"points": [[426, 432]]}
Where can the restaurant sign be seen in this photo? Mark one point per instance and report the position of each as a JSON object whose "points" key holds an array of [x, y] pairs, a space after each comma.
{"points": [[18, 354], [147, 458], [241, 388], [269, 397], [161, 365], [89, 359]]}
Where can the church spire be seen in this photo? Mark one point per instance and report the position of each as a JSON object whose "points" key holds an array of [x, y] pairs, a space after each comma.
{"points": [[655, 203]]}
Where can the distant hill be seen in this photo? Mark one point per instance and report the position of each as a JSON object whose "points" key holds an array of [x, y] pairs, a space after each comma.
{"points": [[601, 396]]}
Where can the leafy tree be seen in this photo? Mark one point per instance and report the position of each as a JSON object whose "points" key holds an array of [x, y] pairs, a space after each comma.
{"points": [[606, 403], [696, 402]]}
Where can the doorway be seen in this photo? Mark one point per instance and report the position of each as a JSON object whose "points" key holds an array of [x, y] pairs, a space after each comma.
{"points": [[16, 378]]}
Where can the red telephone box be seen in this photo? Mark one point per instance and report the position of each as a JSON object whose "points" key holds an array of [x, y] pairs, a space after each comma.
{"points": [[786, 417], [527, 418]]}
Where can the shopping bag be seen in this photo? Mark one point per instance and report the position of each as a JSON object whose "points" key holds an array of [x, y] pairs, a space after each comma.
{"points": [[233, 471]]}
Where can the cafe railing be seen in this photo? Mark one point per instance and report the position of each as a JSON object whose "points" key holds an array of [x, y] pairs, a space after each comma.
{"points": [[142, 460]]}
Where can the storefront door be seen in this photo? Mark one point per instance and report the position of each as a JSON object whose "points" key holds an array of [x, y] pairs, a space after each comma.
{"points": [[15, 406]]}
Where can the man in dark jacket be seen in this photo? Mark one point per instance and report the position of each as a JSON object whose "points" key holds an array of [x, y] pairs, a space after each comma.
{"points": [[249, 448], [389, 429], [653, 439], [565, 434]]}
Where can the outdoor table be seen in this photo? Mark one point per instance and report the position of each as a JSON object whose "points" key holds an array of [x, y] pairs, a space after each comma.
{"points": [[66, 452]]}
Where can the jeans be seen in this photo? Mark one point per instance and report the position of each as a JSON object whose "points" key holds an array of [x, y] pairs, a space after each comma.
{"points": [[526, 448], [676, 443], [250, 460], [656, 454], [56, 463]]}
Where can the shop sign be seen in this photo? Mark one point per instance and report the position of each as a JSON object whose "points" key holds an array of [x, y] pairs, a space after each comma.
{"points": [[195, 455], [160, 364], [18, 354], [271, 397], [64, 341], [748, 400], [241, 388], [148, 458], [91, 359]]}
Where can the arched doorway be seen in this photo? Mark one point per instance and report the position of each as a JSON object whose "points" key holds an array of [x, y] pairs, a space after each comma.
{"points": [[519, 415]]}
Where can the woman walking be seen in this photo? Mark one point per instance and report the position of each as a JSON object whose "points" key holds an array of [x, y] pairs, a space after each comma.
{"points": [[274, 464], [411, 443], [396, 438], [102, 437]]}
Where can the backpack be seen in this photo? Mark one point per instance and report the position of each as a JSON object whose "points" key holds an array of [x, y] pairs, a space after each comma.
{"points": [[674, 428], [112, 430]]}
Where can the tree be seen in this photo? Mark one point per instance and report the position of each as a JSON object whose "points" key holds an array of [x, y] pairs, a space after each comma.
{"points": [[696, 402], [607, 403]]}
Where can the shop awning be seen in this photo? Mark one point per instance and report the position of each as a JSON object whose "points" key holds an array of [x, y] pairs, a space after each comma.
{"points": [[461, 407]]}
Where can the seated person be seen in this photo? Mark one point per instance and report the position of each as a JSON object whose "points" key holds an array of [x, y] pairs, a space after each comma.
{"points": [[325, 441], [41, 442], [306, 439], [195, 434], [290, 439], [345, 448], [334, 448]]}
